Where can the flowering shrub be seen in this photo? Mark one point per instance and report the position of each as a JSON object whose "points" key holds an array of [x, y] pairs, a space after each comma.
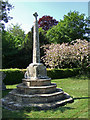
{"points": [[70, 55]]}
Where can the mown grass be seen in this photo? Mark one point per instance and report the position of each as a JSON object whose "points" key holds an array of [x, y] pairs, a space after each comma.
{"points": [[76, 87]]}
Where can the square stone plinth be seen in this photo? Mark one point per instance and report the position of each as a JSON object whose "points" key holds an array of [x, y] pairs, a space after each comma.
{"points": [[36, 71]]}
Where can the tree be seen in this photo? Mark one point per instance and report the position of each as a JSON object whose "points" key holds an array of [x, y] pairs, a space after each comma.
{"points": [[18, 34], [13, 47], [46, 22], [72, 27], [5, 8], [9, 50], [42, 37], [28, 46], [87, 35]]}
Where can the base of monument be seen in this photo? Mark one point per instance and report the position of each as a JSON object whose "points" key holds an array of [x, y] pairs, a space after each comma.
{"points": [[36, 93], [17, 101], [45, 106]]}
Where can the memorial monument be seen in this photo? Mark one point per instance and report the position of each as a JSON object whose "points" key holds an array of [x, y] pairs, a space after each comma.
{"points": [[36, 89]]}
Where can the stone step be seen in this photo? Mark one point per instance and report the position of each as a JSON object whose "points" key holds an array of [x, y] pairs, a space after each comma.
{"points": [[37, 82], [36, 89], [36, 98], [18, 105]]}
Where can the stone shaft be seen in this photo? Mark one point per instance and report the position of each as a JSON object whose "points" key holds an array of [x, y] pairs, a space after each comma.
{"points": [[36, 49]]}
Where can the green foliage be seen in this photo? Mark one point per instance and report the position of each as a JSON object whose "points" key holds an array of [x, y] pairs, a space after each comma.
{"points": [[28, 43], [17, 48], [72, 27], [13, 76], [18, 35], [62, 73], [8, 42], [54, 35], [8, 49], [42, 37], [13, 48], [28, 49]]}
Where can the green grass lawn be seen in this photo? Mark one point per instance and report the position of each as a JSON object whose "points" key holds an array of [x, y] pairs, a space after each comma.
{"points": [[76, 87]]}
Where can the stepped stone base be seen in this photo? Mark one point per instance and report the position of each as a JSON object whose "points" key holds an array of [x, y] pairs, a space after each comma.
{"points": [[18, 101], [41, 97], [38, 82], [37, 91], [41, 106]]}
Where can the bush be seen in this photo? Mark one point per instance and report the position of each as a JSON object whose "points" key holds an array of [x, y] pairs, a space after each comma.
{"points": [[13, 76], [67, 55], [62, 73]]}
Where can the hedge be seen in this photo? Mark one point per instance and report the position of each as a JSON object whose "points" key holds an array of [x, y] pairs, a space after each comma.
{"points": [[63, 73], [14, 76]]}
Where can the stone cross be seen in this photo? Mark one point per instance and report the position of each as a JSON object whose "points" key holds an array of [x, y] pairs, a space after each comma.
{"points": [[36, 70], [36, 49]]}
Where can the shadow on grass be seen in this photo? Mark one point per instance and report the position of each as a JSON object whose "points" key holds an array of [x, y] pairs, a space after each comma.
{"points": [[14, 114], [24, 113], [81, 98], [63, 109]]}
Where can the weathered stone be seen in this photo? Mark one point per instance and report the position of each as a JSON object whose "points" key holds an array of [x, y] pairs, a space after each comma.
{"points": [[37, 82], [37, 98], [38, 102], [36, 71], [36, 49], [36, 89]]}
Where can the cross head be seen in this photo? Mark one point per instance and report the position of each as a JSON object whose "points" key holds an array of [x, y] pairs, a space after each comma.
{"points": [[35, 14]]}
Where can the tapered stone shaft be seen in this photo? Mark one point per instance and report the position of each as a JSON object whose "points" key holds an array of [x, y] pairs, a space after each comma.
{"points": [[36, 49]]}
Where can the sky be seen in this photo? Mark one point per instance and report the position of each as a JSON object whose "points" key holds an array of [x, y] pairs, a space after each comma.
{"points": [[24, 9]]}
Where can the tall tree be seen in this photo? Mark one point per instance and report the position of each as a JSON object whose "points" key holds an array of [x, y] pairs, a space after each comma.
{"points": [[42, 37], [18, 34], [47, 22], [72, 27], [13, 47]]}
